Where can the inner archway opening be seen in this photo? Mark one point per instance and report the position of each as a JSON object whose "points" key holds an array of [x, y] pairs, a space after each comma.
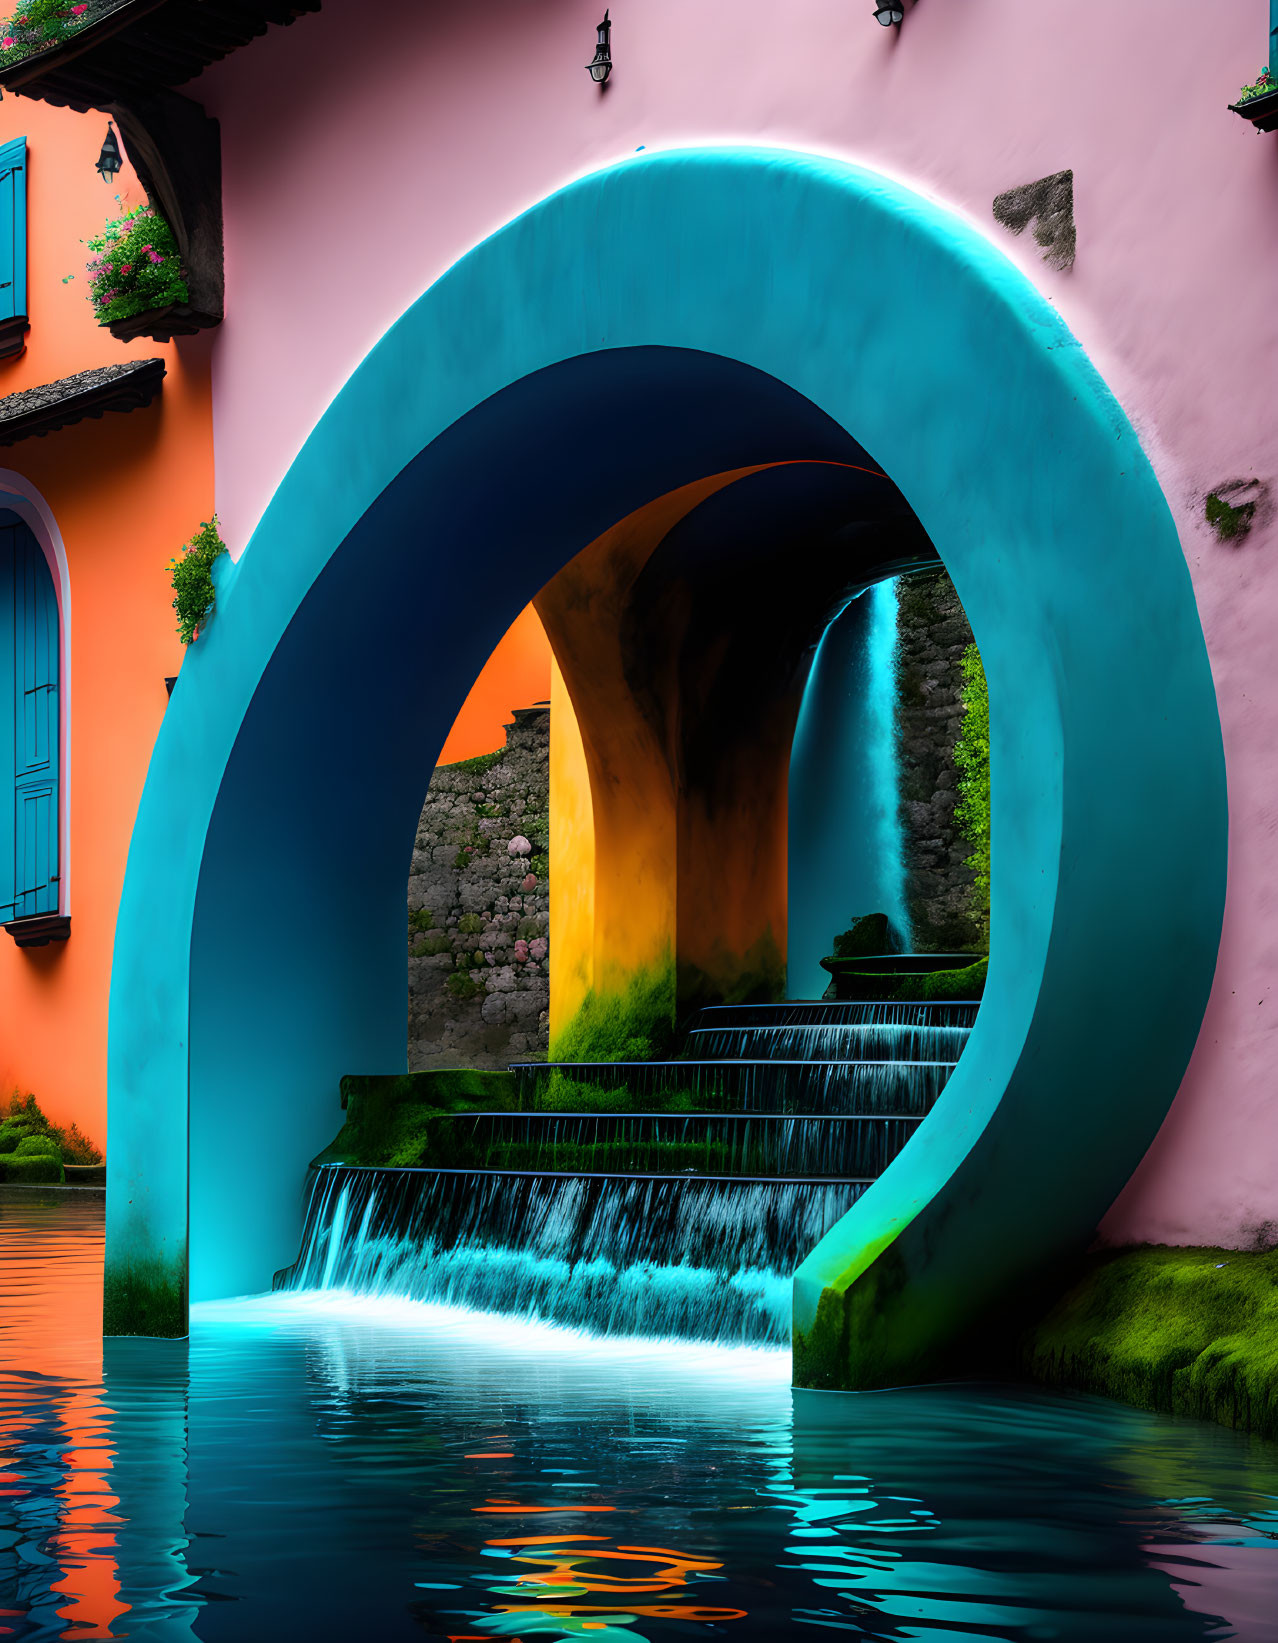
{"points": [[604, 904]]}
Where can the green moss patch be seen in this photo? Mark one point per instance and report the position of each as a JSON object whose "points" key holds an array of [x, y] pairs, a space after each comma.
{"points": [[1185, 1331], [391, 1120], [477, 765], [636, 1023], [144, 1297]]}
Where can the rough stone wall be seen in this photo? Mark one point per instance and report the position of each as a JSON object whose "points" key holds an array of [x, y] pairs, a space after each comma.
{"points": [[478, 915], [934, 633]]}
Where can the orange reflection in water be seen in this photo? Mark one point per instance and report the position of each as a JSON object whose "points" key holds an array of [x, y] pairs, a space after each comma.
{"points": [[566, 1568], [51, 1345]]}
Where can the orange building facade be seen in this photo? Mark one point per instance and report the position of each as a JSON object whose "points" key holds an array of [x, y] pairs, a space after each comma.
{"points": [[109, 498]]}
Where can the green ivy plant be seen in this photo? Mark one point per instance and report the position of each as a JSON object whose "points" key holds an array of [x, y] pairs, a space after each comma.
{"points": [[43, 23], [194, 594], [135, 267], [972, 756]]}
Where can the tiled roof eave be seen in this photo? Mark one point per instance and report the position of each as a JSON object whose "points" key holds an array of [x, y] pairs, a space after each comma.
{"points": [[34, 412]]}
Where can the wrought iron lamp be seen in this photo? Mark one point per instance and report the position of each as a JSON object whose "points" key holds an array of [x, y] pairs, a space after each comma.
{"points": [[601, 65], [110, 160]]}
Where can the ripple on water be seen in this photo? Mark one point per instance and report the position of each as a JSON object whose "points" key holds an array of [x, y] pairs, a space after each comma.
{"points": [[341, 1466]]}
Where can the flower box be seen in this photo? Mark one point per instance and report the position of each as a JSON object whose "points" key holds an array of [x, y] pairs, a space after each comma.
{"points": [[1261, 111], [1258, 103], [179, 319]]}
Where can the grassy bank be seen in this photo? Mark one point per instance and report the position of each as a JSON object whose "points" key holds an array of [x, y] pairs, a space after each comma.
{"points": [[1183, 1331]]}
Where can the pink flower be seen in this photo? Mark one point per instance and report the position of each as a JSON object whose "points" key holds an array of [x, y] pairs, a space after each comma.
{"points": [[156, 257], [521, 952], [6, 43], [530, 883], [77, 11]]}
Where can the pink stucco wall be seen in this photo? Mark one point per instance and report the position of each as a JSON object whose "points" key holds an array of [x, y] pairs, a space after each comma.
{"points": [[361, 160]]}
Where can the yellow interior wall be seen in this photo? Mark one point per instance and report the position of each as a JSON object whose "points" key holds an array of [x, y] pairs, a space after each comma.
{"points": [[572, 857]]}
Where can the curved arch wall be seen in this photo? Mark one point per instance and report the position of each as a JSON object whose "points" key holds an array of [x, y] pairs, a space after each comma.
{"points": [[426, 134], [722, 314]]}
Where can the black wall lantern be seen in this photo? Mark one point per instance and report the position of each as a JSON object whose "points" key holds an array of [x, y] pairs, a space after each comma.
{"points": [[109, 161], [889, 14], [601, 67]]}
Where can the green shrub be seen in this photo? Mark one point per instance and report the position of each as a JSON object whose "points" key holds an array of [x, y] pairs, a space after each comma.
{"points": [[194, 594], [135, 267], [431, 946], [972, 756], [528, 929], [10, 1136], [32, 1169], [38, 1146], [867, 937], [25, 1118], [76, 1146], [423, 919], [470, 924]]}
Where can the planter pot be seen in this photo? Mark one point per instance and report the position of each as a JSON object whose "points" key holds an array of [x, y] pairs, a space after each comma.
{"points": [[1261, 111], [179, 319], [85, 1175]]}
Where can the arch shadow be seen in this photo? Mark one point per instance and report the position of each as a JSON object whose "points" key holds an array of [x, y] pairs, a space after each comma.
{"points": [[676, 316]]}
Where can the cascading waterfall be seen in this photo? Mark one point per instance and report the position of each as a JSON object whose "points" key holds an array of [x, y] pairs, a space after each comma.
{"points": [[618, 1256], [847, 842], [686, 1218]]}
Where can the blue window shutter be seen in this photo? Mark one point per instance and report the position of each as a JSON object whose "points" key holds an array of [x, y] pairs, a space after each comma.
{"points": [[34, 761], [8, 715], [13, 246]]}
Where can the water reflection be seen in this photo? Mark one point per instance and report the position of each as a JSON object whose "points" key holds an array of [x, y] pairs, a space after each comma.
{"points": [[352, 1470]]}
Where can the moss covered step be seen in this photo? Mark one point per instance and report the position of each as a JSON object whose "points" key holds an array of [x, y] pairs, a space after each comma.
{"points": [[390, 1118], [891, 1088], [722, 1144], [831, 1013], [908, 977], [1189, 1331]]}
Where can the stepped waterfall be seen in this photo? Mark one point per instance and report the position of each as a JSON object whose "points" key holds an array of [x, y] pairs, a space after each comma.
{"points": [[677, 1197], [682, 1214]]}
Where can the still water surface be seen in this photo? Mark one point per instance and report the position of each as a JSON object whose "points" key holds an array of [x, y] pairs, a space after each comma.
{"points": [[370, 1472]]}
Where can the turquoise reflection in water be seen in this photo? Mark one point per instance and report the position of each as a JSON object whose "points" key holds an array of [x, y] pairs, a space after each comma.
{"points": [[330, 1467]]}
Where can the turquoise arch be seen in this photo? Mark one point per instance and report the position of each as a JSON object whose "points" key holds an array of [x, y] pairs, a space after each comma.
{"points": [[678, 314]]}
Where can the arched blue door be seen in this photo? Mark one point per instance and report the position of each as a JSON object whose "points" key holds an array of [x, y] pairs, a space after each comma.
{"points": [[29, 775]]}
